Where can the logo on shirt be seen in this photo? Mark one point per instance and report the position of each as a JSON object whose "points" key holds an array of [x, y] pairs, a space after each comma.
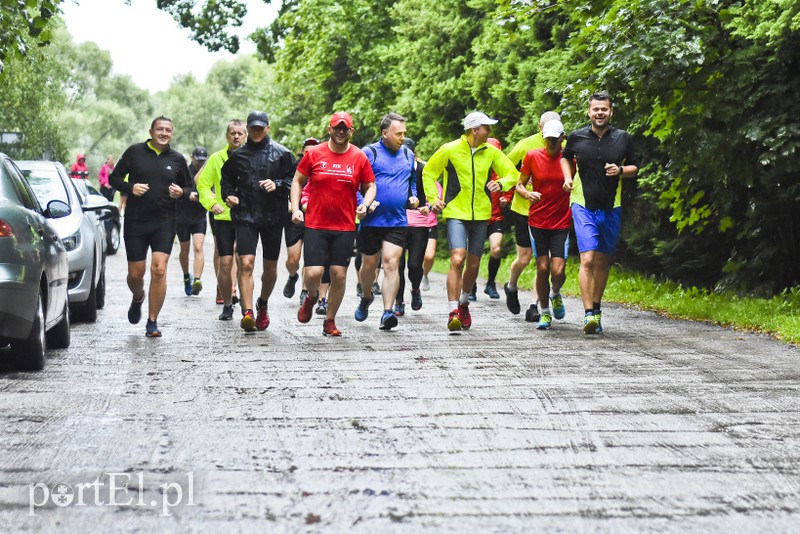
{"points": [[169, 167]]}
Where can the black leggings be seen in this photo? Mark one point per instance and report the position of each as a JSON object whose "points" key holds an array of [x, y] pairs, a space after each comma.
{"points": [[416, 244]]}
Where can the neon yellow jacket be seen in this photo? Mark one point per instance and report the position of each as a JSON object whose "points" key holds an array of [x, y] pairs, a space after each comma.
{"points": [[522, 205], [208, 184], [464, 178]]}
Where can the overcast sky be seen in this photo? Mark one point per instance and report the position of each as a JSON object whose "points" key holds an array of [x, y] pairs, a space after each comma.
{"points": [[129, 32]]}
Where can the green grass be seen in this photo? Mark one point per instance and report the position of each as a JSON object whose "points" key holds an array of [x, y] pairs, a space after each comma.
{"points": [[778, 316]]}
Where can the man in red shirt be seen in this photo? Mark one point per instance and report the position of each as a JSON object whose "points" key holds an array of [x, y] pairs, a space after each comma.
{"points": [[549, 219], [335, 171]]}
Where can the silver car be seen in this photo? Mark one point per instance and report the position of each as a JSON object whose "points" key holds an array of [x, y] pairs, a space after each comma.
{"points": [[34, 315], [81, 231]]}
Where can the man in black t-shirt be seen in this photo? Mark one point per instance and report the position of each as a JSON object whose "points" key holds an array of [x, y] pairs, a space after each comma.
{"points": [[157, 177]]}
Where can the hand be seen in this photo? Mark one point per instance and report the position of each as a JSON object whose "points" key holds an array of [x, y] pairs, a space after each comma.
{"points": [[567, 185], [298, 216], [613, 169], [267, 185], [361, 211], [175, 191], [232, 201], [493, 187], [140, 189], [503, 202], [413, 202], [216, 209], [437, 206], [193, 196], [534, 196], [424, 210]]}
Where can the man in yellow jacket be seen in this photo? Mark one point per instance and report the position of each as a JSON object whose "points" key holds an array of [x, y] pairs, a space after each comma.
{"points": [[465, 165]]}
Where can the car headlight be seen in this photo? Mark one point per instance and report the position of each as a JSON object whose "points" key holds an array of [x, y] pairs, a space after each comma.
{"points": [[72, 242]]}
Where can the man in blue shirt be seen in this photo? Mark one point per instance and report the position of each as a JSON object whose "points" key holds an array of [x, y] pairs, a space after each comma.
{"points": [[384, 229]]}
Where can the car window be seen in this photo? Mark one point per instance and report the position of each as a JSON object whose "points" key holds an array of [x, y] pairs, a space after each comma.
{"points": [[7, 189], [18, 187], [47, 185]]}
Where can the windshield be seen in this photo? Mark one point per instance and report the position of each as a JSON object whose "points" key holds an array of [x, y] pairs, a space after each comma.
{"points": [[47, 185]]}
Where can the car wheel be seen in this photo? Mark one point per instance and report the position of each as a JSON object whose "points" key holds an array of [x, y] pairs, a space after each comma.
{"points": [[58, 336], [113, 239], [87, 312], [101, 289], [30, 353]]}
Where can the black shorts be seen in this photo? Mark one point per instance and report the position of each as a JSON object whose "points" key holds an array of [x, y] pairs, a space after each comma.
{"points": [[211, 222], [156, 235], [293, 233], [225, 234], [370, 238], [433, 232], [553, 243], [185, 231], [247, 240], [497, 227], [521, 233], [327, 247]]}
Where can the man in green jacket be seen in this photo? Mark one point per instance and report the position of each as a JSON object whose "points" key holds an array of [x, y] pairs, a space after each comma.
{"points": [[465, 165], [210, 192]]}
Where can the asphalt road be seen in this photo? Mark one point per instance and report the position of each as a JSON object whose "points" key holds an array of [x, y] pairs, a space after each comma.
{"points": [[657, 425]]}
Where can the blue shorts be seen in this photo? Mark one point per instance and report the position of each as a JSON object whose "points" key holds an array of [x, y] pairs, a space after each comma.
{"points": [[596, 230], [470, 235]]}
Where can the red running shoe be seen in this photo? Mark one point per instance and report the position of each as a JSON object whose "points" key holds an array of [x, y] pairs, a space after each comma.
{"points": [[329, 328], [262, 318], [453, 322], [306, 310], [248, 322], [464, 316]]}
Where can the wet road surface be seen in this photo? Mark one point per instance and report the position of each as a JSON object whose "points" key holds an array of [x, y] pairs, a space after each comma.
{"points": [[655, 425]]}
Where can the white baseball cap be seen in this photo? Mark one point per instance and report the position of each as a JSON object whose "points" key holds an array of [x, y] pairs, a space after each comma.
{"points": [[477, 118], [552, 128]]}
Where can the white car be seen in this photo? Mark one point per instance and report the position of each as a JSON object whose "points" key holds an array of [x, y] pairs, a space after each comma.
{"points": [[82, 233]]}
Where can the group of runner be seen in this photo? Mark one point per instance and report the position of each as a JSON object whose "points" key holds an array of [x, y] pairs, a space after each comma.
{"points": [[386, 201]]}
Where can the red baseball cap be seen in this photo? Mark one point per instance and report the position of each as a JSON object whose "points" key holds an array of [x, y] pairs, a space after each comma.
{"points": [[341, 117]]}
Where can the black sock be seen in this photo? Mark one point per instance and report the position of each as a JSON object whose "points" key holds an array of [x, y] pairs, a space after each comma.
{"points": [[494, 266], [588, 312], [596, 307]]}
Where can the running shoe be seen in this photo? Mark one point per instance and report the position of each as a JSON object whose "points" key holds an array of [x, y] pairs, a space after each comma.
{"points": [[288, 289], [197, 286], [135, 311], [151, 329], [248, 322], [187, 284], [532, 314], [599, 323], [544, 321], [491, 290], [558, 306], [359, 291], [306, 309], [416, 300], [590, 324], [399, 308], [227, 313], [376, 289], [362, 312], [425, 285], [453, 322], [322, 306], [512, 300], [303, 295], [473, 295], [219, 297], [464, 316], [262, 317], [388, 320], [329, 328]]}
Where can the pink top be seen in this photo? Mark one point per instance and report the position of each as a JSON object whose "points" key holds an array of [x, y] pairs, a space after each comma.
{"points": [[418, 220], [102, 176]]}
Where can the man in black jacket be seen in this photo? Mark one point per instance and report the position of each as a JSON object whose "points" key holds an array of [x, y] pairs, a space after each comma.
{"points": [[256, 181], [156, 177]]}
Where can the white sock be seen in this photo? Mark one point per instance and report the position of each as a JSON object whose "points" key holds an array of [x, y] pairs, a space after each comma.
{"points": [[512, 287], [464, 297], [546, 310], [453, 305]]}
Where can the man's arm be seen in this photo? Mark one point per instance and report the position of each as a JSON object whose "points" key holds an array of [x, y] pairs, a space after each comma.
{"points": [[507, 173], [117, 176], [433, 169], [298, 183], [205, 183]]}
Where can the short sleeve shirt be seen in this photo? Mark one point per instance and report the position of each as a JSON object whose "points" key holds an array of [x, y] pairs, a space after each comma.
{"points": [[552, 212], [333, 181]]}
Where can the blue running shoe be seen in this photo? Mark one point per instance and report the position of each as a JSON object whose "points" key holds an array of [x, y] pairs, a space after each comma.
{"points": [[416, 300], [187, 284], [399, 308], [388, 320], [135, 311], [599, 324], [544, 321], [491, 290], [152, 329], [558, 306], [362, 312], [473, 295]]}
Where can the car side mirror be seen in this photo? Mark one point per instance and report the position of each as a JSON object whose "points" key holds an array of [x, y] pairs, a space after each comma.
{"points": [[57, 209], [95, 203]]}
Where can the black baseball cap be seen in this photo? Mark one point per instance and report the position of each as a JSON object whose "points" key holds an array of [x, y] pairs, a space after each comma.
{"points": [[200, 153], [258, 118], [410, 144]]}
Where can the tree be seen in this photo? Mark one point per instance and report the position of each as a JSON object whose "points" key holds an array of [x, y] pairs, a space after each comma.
{"points": [[23, 25]]}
